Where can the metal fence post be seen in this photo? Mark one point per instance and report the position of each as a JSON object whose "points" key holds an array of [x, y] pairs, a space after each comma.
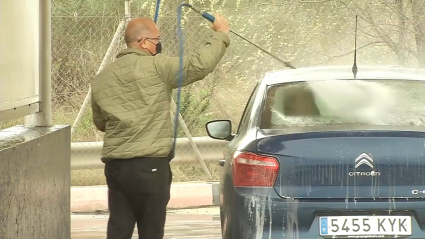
{"points": [[108, 53], [190, 138], [44, 116], [105, 60], [127, 10]]}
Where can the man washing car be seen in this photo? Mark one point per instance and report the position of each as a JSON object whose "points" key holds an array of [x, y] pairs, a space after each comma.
{"points": [[131, 103]]}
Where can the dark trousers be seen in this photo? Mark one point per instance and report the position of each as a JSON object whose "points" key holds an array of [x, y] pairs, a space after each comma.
{"points": [[138, 192]]}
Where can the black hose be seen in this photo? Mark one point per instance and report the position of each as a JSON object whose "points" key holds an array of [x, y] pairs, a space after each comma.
{"points": [[211, 18]]}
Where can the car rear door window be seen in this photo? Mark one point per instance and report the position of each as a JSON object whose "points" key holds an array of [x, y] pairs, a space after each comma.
{"points": [[334, 102]]}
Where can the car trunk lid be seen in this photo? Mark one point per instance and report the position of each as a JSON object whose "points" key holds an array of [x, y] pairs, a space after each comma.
{"points": [[348, 164]]}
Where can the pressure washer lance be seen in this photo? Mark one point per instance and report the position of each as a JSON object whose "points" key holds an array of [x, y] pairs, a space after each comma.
{"points": [[211, 18]]}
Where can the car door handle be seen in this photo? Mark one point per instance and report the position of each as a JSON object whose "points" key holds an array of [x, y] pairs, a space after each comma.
{"points": [[222, 162]]}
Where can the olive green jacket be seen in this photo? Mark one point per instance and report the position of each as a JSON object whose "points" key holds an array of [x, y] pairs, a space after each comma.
{"points": [[131, 98]]}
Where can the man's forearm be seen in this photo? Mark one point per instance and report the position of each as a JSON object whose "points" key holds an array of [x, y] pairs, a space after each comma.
{"points": [[206, 58]]}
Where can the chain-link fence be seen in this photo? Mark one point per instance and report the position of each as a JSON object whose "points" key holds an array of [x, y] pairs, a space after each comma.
{"points": [[305, 33]]}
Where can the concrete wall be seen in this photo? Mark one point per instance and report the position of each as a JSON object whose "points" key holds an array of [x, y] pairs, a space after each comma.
{"points": [[35, 183]]}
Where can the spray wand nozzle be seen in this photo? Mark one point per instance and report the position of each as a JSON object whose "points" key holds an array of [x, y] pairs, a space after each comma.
{"points": [[211, 18]]}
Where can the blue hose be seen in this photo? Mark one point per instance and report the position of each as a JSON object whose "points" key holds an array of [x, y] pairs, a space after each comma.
{"points": [[181, 51], [180, 82], [158, 3]]}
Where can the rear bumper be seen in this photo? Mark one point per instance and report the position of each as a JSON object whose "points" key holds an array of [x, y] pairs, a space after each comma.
{"points": [[273, 217]]}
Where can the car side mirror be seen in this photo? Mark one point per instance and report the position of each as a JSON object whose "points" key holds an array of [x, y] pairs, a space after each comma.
{"points": [[219, 129]]}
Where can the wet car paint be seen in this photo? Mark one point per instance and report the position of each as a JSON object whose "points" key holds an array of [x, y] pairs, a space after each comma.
{"points": [[257, 213]]}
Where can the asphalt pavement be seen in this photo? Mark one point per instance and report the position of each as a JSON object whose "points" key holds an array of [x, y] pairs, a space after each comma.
{"points": [[184, 223]]}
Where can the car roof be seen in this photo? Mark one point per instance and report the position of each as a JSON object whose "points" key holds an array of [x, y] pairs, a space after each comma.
{"points": [[343, 72]]}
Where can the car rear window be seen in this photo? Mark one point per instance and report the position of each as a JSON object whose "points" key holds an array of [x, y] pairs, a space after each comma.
{"points": [[369, 102]]}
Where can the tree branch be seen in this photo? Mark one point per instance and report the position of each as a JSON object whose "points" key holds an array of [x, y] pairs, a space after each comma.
{"points": [[330, 58]]}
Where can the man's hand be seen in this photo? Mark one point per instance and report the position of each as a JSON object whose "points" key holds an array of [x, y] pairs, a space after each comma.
{"points": [[220, 24]]}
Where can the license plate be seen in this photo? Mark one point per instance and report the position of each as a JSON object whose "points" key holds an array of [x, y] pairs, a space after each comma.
{"points": [[351, 226]]}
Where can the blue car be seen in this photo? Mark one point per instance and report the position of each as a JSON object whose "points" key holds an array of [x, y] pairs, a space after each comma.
{"points": [[321, 153]]}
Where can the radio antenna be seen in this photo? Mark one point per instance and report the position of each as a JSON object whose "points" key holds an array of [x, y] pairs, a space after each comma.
{"points": [[355, 52]]}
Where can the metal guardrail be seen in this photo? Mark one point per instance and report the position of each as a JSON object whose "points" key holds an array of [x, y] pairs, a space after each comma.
{"points": [[86, 155]]}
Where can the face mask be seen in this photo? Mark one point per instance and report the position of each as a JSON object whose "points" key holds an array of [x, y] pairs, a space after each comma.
{"points": [[158, 48]]}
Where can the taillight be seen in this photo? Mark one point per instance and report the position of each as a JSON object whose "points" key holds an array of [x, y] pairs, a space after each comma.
{"points": [[253, 170]]}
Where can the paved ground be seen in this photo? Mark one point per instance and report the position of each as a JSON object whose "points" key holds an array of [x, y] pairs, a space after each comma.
{"points": [[189, 223]]}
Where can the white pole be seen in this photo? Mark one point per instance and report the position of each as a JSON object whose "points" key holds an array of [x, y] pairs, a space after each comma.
{"points": [[127, 10], [44, 117]]}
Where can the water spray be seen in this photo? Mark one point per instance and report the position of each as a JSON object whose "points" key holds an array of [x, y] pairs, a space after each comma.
{"points": [[211, 18]]}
